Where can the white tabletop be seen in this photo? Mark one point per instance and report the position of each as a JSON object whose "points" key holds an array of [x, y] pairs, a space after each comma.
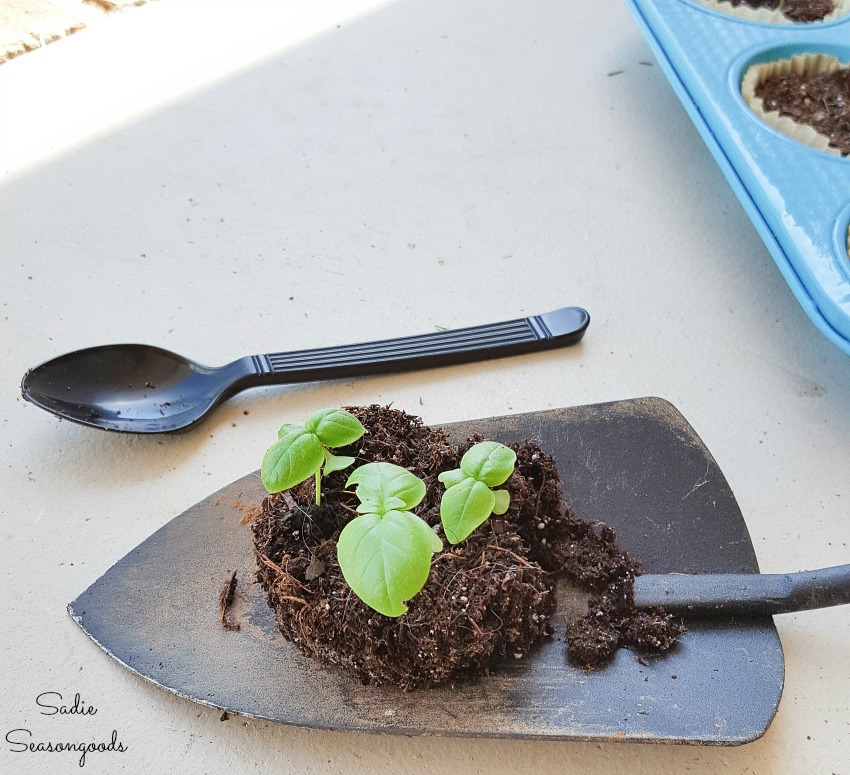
{"points": [[230, 178]]}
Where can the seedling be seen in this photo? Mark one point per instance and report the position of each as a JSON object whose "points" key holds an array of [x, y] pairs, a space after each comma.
{"points": [[385, 552], [468, 500], [301, 452]]}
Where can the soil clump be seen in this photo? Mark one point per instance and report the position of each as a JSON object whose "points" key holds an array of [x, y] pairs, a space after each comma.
{"points": [[488, 598]]}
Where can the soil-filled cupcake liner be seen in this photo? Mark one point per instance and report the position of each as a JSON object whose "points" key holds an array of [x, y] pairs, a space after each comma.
{"points": [[774, 12], [834, 112], [792, 183]]}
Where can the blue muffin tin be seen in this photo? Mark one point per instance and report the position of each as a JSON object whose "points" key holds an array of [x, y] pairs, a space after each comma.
{"points": [[797, 197]]}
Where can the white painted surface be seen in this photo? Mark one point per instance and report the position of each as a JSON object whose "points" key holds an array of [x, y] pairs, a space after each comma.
{"points": [[176, 176]]}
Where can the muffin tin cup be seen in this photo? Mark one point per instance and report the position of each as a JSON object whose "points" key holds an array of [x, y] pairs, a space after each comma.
{"points": [[800, 64], [766, 15], [798, 197]]}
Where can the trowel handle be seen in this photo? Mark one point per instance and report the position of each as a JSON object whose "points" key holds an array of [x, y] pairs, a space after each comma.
{"points": [[746, 594]]}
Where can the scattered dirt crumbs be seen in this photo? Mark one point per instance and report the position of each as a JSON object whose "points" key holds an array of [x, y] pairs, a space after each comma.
{"points": [[250, 512], [488, 598]]}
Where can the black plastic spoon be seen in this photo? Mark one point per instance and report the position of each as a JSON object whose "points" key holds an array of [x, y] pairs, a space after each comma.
{"points": [[142, 389]]}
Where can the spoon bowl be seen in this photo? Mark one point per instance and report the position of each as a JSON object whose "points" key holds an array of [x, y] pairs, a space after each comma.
{"points": [[129, 387], [138, 388]]}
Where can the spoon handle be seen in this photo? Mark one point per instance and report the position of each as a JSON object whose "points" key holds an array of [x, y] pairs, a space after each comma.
{"points": [[441, 348]]}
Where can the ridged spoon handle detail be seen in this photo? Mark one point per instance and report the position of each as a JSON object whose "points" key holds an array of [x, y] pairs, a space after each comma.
{"points": [[440, 348]]}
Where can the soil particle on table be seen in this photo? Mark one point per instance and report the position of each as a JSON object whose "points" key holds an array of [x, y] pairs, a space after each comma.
{"points": [[821, 101], [795, 10], [488, 598]]}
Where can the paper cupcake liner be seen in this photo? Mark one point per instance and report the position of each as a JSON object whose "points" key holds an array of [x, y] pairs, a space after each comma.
{"points": [[802, 64], [767, 15]]}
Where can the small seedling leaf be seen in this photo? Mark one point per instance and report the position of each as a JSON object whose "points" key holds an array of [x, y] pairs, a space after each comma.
{"points": [[287, 428], [451, 478], [292, 459], [337, 462], [385, 487], [503, 501], [375, 504], [335, 427], [489, 462], [464, 507], [386, 559]]}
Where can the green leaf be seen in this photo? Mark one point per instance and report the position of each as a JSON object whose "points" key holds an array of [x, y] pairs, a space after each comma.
{"points": [[468, 500], [287, 428], [374, 505], [335, 427], [432, 539], [337, 462], [451, 478], [292, 459], [386, 559], [503, 501], [464, 507], [489, 462], [383, 487]]}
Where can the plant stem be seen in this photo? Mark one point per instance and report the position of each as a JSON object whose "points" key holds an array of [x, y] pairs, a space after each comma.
{"points": [[319, 487]]}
